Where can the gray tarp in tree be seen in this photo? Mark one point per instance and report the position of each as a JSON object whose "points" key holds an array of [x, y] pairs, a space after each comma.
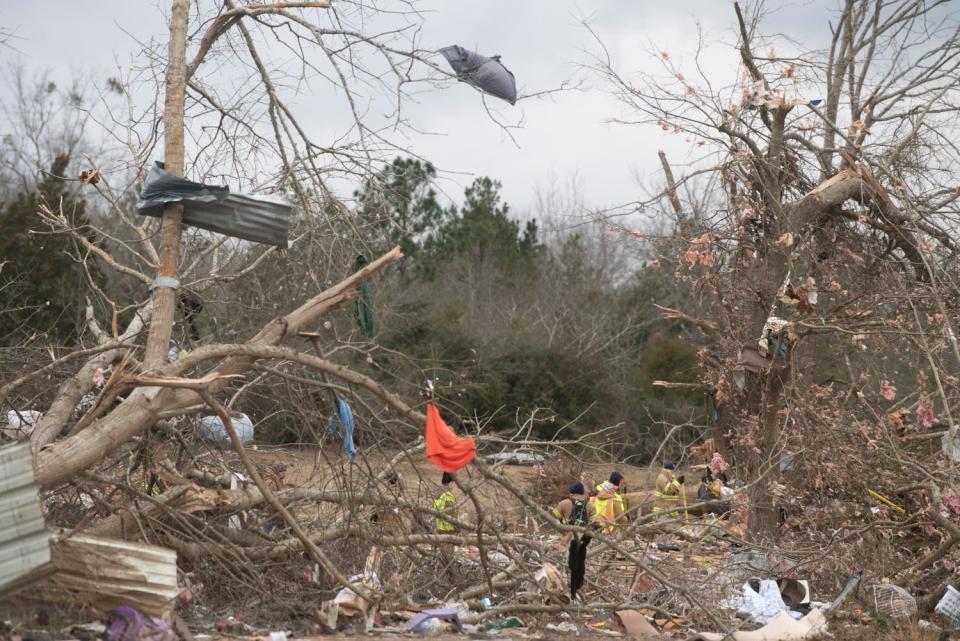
{"points": [[260, 219], [486, 74]]}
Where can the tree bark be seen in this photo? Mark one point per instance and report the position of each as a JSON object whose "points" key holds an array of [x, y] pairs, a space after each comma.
{"points": [[763, 396], [161, 326]]}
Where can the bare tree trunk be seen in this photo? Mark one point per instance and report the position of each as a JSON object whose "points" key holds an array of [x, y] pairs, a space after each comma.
{"points": [[158, 342], [763, 521]]}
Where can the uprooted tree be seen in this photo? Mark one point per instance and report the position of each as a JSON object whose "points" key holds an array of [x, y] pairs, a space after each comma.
{"points": [[831, 191]]}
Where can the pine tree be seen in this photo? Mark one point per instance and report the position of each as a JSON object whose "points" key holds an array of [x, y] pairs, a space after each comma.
{"points": [[39, 280]]}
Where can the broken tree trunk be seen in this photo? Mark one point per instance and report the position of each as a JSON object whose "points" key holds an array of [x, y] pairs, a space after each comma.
{"points": [[165, 290]]}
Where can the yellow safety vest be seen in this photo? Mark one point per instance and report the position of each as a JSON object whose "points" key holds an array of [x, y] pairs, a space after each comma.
{"points": [[663, 496], [605, 511], [441, 503]]}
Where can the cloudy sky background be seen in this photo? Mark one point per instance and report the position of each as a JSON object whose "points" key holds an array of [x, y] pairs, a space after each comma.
{"points": [[543, 42]]}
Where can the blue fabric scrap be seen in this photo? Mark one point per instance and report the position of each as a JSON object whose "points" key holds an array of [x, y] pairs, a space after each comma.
{"points": [[343, 414]]}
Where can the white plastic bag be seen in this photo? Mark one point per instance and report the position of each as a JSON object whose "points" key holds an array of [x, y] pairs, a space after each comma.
{"points": [[763, 607], [20, 424], [212, 430]]}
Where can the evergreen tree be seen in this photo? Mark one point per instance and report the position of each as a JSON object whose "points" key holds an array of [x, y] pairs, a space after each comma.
{"points": [[41, 283], [401, 204], [484, 233]]}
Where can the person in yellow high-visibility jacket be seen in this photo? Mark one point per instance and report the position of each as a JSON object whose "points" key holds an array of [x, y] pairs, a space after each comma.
{"points": [[445, 502], [609, 505], [668, 492]]}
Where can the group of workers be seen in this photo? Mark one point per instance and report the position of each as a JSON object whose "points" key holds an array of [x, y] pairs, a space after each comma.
{"points": [[603, 508]]}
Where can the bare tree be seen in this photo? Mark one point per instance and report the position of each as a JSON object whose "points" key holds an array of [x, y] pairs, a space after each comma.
{"points": [[833, 203]]}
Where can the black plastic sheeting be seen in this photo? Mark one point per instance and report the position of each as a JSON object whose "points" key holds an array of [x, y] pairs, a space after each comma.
{"points": [[260, 219], [487, 74]]}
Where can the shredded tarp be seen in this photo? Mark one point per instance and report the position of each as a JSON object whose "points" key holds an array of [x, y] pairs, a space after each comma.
{"points": [[260, 219]]}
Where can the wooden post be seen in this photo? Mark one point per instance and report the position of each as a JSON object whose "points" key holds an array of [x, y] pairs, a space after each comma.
{"points": [[164, 296]]}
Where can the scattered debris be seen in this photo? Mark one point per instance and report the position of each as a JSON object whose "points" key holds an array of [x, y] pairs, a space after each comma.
{"points": [[503, 624], [635, 624], [893, 601], [350, 604], [514, 458], [951, 448], [782, 628], [949, 607], [20, 424], [129, 624], [765, 605], [211, 429], [105, 573], [438, 614], [566, 627]]}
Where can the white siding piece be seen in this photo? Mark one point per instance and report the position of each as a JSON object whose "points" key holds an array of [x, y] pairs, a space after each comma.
{"points": [[104, 573], [24, 539]]}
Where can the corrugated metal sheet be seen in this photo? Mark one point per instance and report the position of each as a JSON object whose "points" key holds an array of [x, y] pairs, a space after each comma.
{"points": [[260, 219], [103, 573], [24, 539]]}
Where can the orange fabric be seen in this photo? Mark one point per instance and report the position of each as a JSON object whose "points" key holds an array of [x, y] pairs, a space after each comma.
{"points": [[445, 449]]}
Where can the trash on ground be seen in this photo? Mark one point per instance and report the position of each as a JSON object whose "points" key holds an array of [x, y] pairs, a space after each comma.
{"points": [[551, 584], [949, 607], [502, 624], [635, 623], [782, 628], [350, 604], [893, 601], [435, 615], [951, 448], [794, 592], [129, 624], [212, 430], [20, 423], [765, 605]]}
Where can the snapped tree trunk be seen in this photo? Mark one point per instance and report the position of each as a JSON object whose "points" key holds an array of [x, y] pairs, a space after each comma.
{"points": [[164, 293]]}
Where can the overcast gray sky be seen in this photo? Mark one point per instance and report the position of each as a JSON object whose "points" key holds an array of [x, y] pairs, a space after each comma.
{"points": [[541, 41]]}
